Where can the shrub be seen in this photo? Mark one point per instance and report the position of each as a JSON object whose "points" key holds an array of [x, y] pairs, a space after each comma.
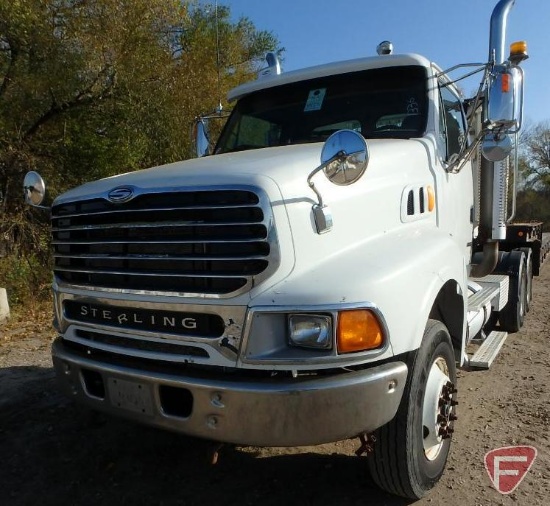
{"points": [[26, 279]]}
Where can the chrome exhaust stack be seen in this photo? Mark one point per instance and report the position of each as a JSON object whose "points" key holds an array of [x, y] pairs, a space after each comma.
{"points": [[501, 117], [497, 36]]}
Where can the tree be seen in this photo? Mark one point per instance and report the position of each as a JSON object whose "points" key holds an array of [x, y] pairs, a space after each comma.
{"points": [[89, 89], [533, 202], [535, 158]]}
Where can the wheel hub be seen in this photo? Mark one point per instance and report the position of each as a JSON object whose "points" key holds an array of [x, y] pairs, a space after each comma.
{"points": [[438, 409]]}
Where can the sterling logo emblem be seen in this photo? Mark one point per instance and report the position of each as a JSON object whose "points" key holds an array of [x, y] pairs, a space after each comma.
{"points": [[121, 194]]}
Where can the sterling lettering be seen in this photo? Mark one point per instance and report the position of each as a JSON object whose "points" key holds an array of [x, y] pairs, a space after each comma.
{"points": [[143, 319], [189, 323]]}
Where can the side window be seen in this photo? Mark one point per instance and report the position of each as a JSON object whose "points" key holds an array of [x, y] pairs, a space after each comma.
{"points": [[452, 124], [254, 132]]}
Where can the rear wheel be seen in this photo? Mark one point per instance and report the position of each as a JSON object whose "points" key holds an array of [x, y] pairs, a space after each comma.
{"points": [[528, 252], [411, 451], [512, 315]]}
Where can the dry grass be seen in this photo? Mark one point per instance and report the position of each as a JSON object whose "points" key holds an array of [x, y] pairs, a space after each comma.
{"points": [[34, 318]]}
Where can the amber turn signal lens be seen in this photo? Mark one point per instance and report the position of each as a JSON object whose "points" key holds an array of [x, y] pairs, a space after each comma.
{"points": [[431, 199], [358, 330], [505, 83]]}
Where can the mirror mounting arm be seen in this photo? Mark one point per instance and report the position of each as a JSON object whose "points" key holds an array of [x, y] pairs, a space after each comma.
{"points": [[341, 155], [29, 190], [322, 215]]}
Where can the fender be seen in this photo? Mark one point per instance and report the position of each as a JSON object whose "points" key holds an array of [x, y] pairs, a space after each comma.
{"points": [[375, 271]]}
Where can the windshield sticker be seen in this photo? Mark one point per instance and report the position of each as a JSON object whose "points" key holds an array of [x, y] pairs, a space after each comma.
{"points": [[412, 106], [315, 100]]}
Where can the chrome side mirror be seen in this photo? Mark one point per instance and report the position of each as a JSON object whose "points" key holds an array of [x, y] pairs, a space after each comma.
{"points": [[34, 189], [345, 156], [202, 141], [504, 109], [344, 160]]}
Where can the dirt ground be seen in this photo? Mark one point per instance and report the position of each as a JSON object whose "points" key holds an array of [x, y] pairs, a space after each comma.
{"points": [[53, 452]]}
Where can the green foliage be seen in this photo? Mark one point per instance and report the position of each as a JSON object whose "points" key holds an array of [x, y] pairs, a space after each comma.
{"points": [[92, 89], [534, 205], [25, 278], [535, 157]]}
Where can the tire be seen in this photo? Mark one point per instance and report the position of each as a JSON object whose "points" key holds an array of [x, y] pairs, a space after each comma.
{"points": [[512, 315], [528, 252], [411, 451]]}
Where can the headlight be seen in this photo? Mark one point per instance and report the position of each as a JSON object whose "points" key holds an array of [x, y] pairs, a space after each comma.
{"points": [[310, 331]]}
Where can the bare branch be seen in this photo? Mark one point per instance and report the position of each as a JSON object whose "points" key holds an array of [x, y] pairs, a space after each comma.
{"points": [[83, 97]]}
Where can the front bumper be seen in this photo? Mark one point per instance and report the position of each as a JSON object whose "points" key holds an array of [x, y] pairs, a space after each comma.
{"points": [[262, 412]]}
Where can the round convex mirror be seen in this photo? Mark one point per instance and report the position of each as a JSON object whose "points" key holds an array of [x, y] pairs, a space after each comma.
{"points": [[349, 154], [34, 188], [496, 150]]}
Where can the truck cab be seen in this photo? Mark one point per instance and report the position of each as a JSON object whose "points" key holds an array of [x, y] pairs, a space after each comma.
{"points": [[310, 280]]}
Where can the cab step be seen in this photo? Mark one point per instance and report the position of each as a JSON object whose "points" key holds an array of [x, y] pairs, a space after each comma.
{"points": [[487, 352], [482, 298]]}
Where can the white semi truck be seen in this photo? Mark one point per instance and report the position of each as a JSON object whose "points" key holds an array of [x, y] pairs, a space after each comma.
{"points": [[319, 276]]}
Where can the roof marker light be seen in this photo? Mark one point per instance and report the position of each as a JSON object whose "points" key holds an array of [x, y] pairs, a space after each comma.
{"points": [[384, 48]]}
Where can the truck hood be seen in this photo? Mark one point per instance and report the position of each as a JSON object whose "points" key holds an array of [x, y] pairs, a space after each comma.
{"points": [[287, 166], [246, 167]]}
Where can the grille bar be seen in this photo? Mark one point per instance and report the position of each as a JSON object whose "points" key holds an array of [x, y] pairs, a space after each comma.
{"points": [[219, 241], [138, 273], [207, 242], [159, 257], [132, 346], [149, 225], [149, 209]]}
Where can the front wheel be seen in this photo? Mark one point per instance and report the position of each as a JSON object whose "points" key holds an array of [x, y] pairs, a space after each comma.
{"points": [[411, 451]]}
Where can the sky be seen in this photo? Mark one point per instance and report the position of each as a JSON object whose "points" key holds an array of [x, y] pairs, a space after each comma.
{"points": [[447, 32]]}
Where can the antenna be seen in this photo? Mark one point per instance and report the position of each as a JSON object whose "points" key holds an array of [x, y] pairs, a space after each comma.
{"points": [[219, 109]]}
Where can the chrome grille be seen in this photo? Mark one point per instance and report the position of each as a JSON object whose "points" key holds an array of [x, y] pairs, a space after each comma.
{"points": [[202, 242], [127, 345]]}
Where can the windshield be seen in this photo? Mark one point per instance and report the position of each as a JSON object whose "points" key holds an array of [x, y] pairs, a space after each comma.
{"points": [[380, 103]]}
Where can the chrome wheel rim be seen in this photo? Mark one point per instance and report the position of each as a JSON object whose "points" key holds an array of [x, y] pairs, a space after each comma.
{"points": [[438, 407]]}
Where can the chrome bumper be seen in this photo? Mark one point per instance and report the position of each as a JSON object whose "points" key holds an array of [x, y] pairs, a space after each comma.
{"points": [[264, 412]]}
